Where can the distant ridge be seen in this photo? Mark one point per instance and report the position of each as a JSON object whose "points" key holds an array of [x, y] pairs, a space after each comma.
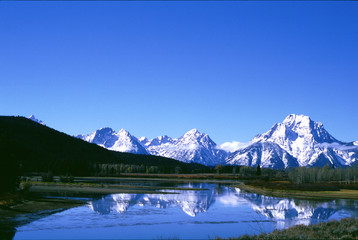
{"points": [[33, 118]]}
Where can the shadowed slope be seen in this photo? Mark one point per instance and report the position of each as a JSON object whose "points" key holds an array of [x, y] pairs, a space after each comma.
{"points": [[39, 148]]}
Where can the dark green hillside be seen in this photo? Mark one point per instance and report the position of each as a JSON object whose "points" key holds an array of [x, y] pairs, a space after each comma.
{"points": [[37, 148]]}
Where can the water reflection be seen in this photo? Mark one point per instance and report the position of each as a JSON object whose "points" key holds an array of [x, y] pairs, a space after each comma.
{"points": [[220, 210], [191, 202], [196, 202], [288, 212]]}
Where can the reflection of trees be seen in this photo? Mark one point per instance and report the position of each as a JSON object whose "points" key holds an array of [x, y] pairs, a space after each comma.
{"points": [[219, 189]]}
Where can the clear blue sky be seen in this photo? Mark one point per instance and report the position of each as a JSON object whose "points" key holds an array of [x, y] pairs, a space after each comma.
{"points": [[230, 69]]}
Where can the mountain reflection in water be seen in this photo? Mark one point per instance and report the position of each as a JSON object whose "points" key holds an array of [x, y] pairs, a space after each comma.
{"points": [[196, 202], [217, 210], [191, 202]]}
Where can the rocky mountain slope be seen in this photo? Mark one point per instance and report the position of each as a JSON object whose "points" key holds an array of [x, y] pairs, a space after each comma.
{"points": [[193, 146], [296, 141], [121, 141]]}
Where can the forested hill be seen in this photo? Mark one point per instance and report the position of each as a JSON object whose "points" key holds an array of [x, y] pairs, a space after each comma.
{"points": [[38, 148]]}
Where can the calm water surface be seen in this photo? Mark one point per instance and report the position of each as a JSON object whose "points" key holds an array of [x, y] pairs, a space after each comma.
{"points": [[220, 210]]}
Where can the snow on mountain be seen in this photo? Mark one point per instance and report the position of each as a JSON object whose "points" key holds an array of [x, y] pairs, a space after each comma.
{"points": [[143, 140], [156, 141], [265, 154], [33, 118], [309, 142], [122, 141], [193, 146], [297, 141]]}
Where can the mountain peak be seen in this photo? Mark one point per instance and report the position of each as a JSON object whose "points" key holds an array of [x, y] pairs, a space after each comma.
{"points": [[122, 141], [106, 129], [294, 119], [124, 132], [305, 126], [143, 139], [192, 132], [33, 118], [302, 138], [163, 137], [157, 141]]}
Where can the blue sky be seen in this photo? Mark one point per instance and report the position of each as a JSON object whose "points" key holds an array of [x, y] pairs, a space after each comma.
{"points": [[229, 69]]}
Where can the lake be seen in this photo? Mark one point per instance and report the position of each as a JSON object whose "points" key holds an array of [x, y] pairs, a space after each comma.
{"points": [[217, 210]]}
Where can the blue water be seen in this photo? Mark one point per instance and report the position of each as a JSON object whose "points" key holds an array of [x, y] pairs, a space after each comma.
{"points": [[221, 211]]}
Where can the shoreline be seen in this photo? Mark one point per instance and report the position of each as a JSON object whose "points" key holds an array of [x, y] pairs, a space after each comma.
{"points": [[207, 178], [340, 194], [33, 205], [33, 208], [36, 200], [345, 228], [104, 188]]}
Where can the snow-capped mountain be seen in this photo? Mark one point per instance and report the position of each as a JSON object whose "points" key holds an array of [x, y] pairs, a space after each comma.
{"points": [[266, 154], [33, 118], [193, 146], [157, 141], [297, 141], [122, 141], [304, 142]]}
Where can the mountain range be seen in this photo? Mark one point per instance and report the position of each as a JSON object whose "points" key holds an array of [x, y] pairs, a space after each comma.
{"points": [[297, 141], [193, 146]]}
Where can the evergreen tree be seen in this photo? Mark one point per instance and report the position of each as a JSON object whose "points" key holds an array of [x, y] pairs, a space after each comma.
{"points": [[258, 170]]}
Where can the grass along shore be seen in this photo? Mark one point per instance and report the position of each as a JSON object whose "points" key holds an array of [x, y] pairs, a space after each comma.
{"points": [[285, 189], [344, 229], [98, 188]]}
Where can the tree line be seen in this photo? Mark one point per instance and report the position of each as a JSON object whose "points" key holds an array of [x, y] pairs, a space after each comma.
{"points": [[323, 174]]}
